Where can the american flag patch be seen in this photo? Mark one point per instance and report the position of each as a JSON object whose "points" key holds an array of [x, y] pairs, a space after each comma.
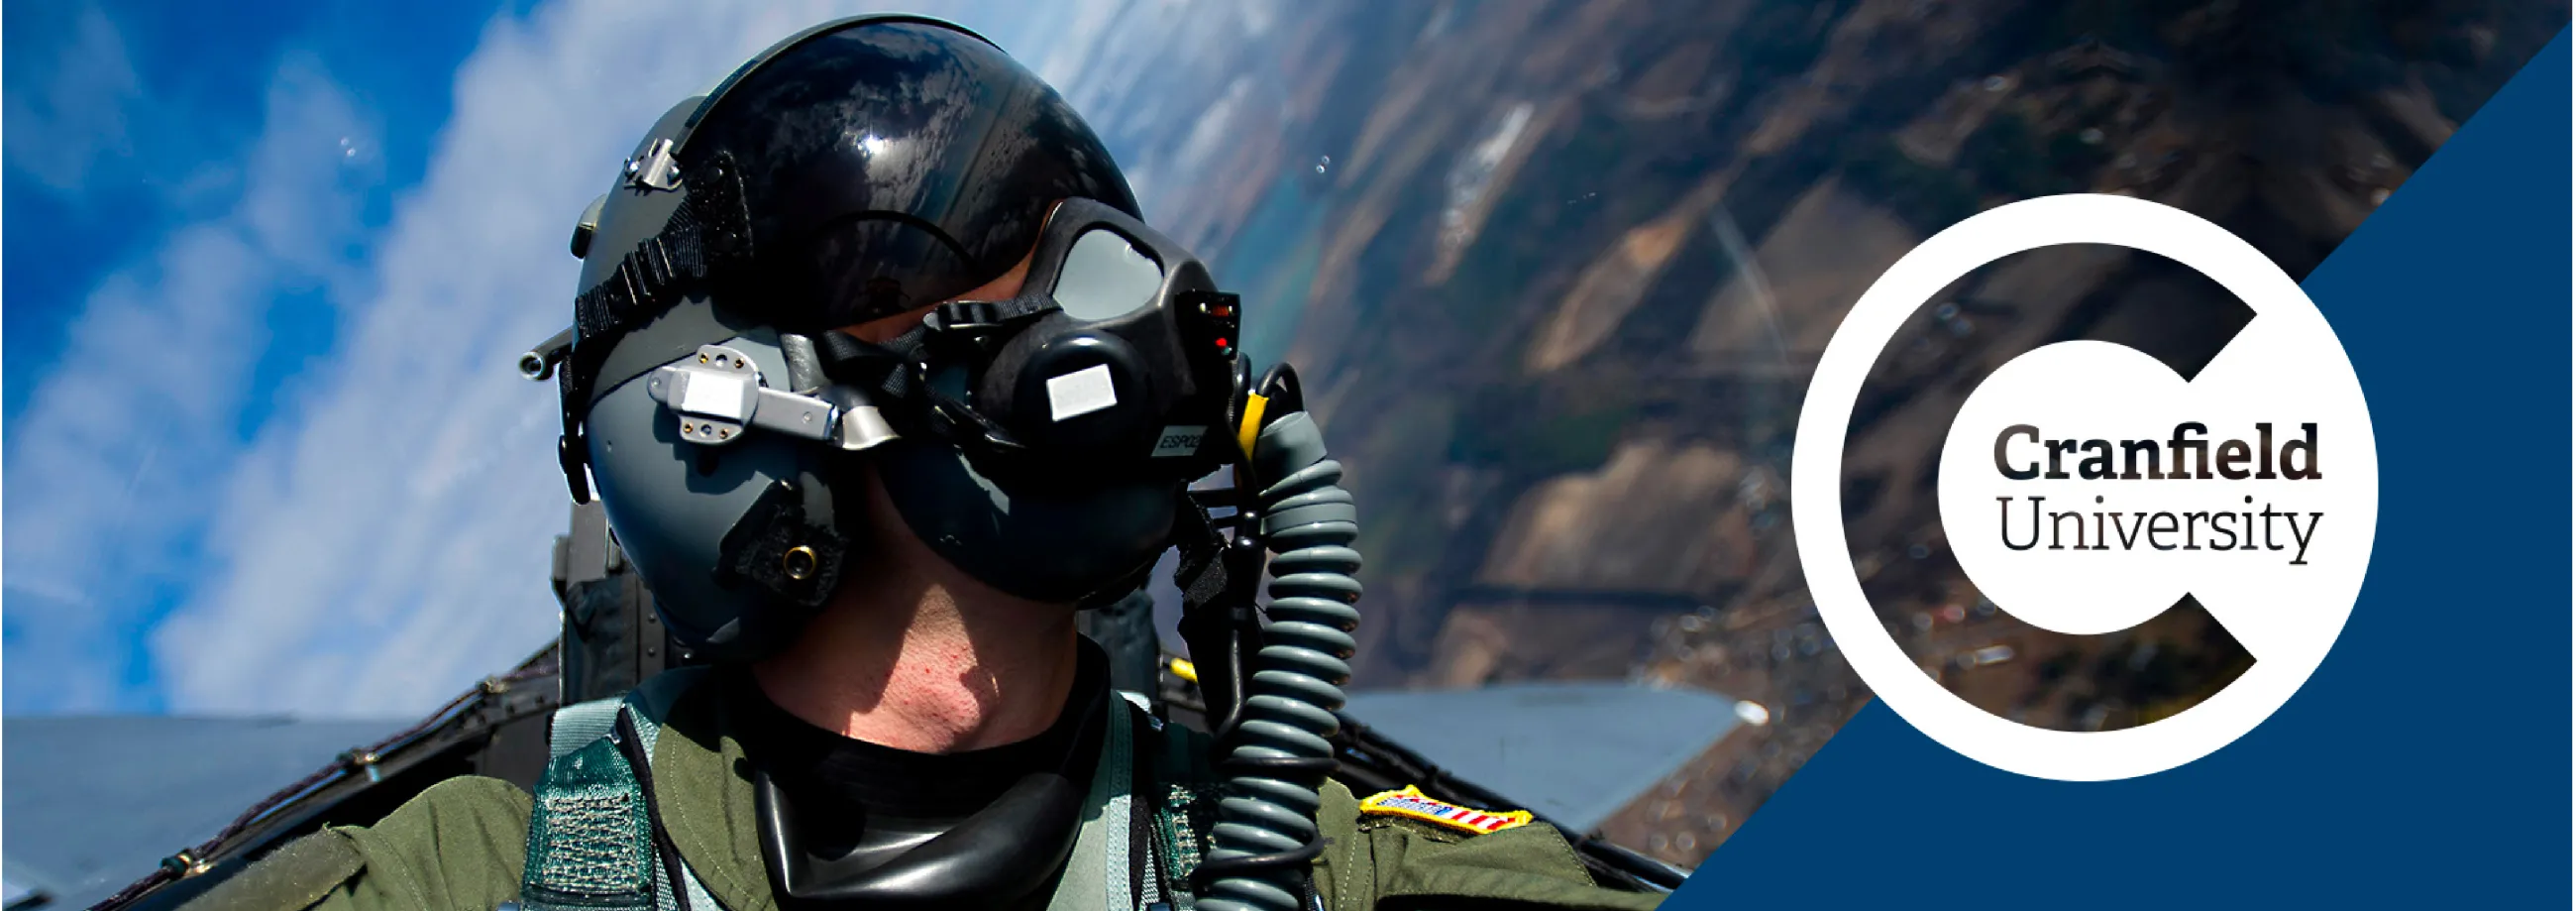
{"points": [[1410, 802]]}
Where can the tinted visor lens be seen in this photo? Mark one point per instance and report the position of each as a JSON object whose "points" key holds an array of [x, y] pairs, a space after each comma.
{"points": [[890, 165], [884, 265]]}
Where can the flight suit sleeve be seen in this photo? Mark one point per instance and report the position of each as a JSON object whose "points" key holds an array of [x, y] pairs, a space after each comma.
{"points": [[1390, 863], [458, 846]]}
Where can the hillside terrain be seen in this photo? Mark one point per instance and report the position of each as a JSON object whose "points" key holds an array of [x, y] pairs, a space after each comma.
{"points": [[1556, 272]]}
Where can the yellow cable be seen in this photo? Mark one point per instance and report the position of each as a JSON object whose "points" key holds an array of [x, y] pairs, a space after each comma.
{"points": [[1253, 404]]}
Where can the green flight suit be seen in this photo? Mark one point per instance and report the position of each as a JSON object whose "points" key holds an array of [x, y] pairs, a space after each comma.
{"points": [[462, 844]]}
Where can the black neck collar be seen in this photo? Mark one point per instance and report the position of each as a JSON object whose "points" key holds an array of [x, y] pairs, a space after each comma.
{"points": [[846, 824]]}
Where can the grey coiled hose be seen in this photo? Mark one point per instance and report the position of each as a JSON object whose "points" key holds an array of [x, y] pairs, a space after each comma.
{"points": [[1279, 751]]}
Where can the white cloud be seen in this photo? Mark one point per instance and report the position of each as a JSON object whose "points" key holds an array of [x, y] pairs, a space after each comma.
{"points": [[1073, 31], [83, 110], [1259, 16], [1213, 127], [1168, 84], [108, 459]]}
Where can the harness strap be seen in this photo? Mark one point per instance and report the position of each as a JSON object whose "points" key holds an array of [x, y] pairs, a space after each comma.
{"points": [[592, 844], [1182, 789], [1117, 826], [575, 726], [699, 899], [590, 839]]}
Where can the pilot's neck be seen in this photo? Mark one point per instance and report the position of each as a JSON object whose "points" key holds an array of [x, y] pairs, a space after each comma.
{"points": [[912, 654]]}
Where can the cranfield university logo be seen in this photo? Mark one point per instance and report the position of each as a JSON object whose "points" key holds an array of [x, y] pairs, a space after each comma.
{"points": [[2087, 487]]}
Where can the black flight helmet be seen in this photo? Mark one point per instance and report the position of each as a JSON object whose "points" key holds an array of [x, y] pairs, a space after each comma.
{"points": [[858, 170], [888, 163]]}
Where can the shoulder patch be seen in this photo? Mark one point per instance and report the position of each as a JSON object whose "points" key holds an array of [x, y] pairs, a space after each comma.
{"points": [[1412, 804]]}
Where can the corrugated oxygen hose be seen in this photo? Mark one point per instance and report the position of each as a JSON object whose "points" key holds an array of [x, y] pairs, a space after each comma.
{"points": [[1265, 834]]}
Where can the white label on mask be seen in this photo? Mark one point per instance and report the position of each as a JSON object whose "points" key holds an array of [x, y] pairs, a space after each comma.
{"points": [[1080, 392], [1179, 440]]}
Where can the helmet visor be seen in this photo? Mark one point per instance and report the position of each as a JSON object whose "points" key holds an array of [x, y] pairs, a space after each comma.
{"points": [[889, 165], [885, 265]]}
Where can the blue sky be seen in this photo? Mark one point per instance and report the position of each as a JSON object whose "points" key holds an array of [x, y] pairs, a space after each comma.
{"points": [[266, 269], [129, 119], [128, 123]]}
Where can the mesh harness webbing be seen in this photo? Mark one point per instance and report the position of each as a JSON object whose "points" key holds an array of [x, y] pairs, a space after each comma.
{"points": [[594, 844]]}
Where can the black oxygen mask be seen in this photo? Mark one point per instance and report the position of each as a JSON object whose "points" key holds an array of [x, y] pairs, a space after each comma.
{"points": [[1048, 438]]}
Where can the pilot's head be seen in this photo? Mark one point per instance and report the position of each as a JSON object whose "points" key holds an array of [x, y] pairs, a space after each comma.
{"points": [[753, 361]]}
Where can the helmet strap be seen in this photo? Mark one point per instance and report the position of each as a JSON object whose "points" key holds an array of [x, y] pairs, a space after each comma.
{"points": [[709, 234]]}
